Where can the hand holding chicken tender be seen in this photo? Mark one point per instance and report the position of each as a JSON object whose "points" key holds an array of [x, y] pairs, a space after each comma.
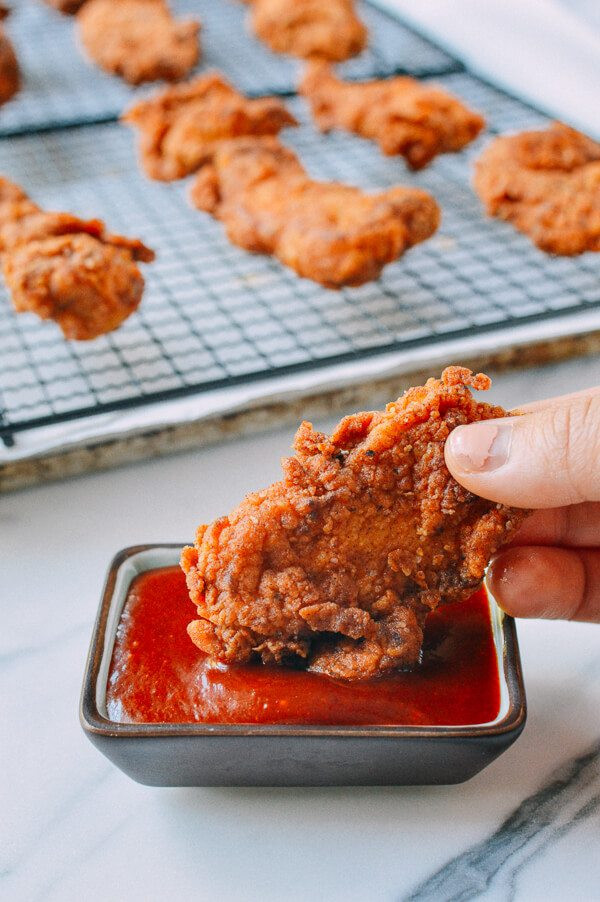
{"points": [[339, 564], [183, 125], [547, 183], [332, 233], [139, 39], [404, 116], [67, 269]]}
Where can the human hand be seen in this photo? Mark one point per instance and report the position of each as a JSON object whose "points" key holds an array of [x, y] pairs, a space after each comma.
{"points": [[547, 459]]}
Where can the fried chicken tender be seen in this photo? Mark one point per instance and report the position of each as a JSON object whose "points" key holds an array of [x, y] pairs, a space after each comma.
{"points": [[182, 126], [332, 233], [10, 74], [547, 183], [404, 116], [139, 39], [310, 29], [67, 269], [339, 564]]}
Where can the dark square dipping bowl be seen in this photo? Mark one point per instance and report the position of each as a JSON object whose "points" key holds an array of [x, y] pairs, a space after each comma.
{"points": [[196, 754]]}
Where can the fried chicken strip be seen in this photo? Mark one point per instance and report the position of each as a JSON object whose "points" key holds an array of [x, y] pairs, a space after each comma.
{"points": [[339, 564], [10, 74], [67, 269], [547, 184], [139, 39], [182, 126], [309, 28], [332, 233], [404, 116]]}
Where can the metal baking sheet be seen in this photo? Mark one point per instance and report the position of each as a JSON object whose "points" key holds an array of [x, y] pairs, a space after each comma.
{"points": [[62, 88], [214, 315]]}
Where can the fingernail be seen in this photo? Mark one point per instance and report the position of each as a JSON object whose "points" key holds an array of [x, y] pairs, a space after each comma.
{"points": [[481, 447]]}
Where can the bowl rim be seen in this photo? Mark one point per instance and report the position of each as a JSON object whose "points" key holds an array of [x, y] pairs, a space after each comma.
{"points": [[95, 723]]}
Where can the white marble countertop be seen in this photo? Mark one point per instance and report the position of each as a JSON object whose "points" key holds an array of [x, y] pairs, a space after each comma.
{"points": [[73, 827]]}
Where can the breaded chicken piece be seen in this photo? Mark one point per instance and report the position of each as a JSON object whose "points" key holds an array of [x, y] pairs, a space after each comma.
{"points": [[311, 29], [183, 125], [66, 7], [340, 562], [10, 75], [404, 116], [139, 39], [331, 233], [67, 269], [547, 183]]}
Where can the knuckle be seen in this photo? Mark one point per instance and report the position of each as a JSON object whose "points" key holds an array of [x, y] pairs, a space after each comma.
{"points": [[575, 441], [589, 416]]}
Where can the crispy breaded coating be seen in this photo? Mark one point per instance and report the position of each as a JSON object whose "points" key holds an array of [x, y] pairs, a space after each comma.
{"points": [[339, 564], [310, 29], [404, 116], [332, 233], [10, 74], [181, 127], [547, 184], [139, 39], [67, 269], [66, 7]]}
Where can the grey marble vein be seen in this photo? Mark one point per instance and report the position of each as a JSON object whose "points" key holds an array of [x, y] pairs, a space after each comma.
{"points": [[588, 809], [571, 794]]}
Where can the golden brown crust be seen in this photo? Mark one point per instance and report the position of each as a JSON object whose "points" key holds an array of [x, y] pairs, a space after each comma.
{"points": [[547, 183], [68, 269], [182, 126], [404, 116], [332, 233], [86, 286], [340, 562], [310, 29], [139, 39]]}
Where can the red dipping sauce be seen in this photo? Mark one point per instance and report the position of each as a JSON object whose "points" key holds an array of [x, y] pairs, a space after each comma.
{"points": [[158, 675]]}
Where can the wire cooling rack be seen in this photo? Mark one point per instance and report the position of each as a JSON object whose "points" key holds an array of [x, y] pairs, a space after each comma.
{"points": [[214, 315], [61, 88]]}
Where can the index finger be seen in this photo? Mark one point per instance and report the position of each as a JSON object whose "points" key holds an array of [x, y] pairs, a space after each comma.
{"points": [[576, 526], [557, 401]]}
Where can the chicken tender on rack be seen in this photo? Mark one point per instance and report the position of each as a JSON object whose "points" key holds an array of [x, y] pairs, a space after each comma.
{"points": [[547, 184], [182, 126], [404, 116], [67, 269], [338, 565], [332, 233], [310, 28], [139, 39], [10, 74]]}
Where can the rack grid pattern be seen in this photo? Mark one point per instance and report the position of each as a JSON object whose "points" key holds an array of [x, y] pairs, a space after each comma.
{"points": [[62, 88], [214, 315]]}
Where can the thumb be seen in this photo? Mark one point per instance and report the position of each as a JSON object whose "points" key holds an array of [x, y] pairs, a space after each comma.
{"points": [[549, 457]]}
